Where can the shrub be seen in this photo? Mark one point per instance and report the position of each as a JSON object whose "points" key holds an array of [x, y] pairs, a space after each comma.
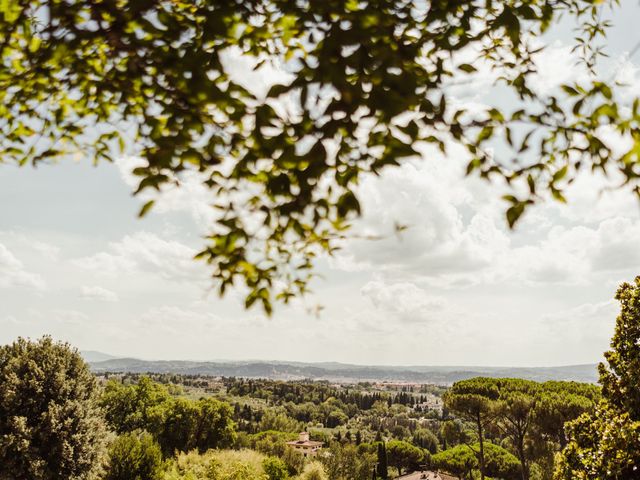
{"points": [[135, 456], [275, 468], [314, 471], [217, 465]]}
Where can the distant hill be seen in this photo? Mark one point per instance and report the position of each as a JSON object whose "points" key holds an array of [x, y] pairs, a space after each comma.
{"points": [[93, 356], [339, 372]]}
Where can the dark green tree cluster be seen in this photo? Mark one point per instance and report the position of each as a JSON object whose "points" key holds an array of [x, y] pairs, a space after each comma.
{"points": [[606, 444], [527, 416], [295, 404], [404, 456], [177, 424], [462, 461], [283, 393], [149, 78], [425, 439], [348, 461]]}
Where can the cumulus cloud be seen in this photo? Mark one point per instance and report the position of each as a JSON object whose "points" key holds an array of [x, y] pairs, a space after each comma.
{"points": [[175, 319], [68, 317], [404, 301], [98, 293], [446, 232], [144, 252], [45, 249], [557, 64], [573, 255], [585, 328], [14, 274], [457, 235]]}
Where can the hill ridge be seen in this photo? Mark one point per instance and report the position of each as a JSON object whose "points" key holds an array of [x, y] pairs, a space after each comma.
{"points": [[339, 372]]}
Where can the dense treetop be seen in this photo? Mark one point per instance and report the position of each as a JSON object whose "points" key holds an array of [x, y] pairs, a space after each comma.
{"points": [[367, 85], [50, 423], [528, 416]]}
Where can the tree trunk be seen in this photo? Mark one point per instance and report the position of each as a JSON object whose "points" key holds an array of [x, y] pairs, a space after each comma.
{"points": [[481, 440], [523, 460]]}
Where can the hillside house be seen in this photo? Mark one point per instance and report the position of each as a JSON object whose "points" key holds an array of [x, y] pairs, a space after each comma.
{"points": [[306, 446], [426, 475]]}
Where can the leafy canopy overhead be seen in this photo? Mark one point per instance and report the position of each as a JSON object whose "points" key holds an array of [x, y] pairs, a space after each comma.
{"points": [[368, 85]]}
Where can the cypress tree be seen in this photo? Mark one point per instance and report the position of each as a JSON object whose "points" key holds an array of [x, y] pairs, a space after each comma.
{"points": [[382, 461]]}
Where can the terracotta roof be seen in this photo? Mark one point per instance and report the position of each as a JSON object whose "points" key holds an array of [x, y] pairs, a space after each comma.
{"points": [[308, 443]]}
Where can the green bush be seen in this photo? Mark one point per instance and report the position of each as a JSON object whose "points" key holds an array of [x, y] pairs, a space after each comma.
{"points": [[314, 471], [275, 468], [135, 456], [217, 465], [178, 424]]}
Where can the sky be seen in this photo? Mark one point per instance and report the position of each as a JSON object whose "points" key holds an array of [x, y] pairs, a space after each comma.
{"points": [[456, 288]]}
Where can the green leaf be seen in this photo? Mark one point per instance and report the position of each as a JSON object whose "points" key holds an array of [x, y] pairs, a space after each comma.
{"points": [[146, 208], [570, 90], [560, 174], [514, 213], [484, 134], [465, 67], [277, 90]]}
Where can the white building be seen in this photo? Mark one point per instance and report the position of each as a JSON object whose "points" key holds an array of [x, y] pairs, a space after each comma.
{"points": [[304, 445]]}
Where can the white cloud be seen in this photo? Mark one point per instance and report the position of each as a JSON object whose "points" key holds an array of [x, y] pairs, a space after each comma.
{"points": [[584, 330], [47, 250], [457, 235], [556, 65], [68, 317], [446, 232], [242, 69], [404, 301], [109, 264], [616, 245], [145, 252], [14, 274], [174, 319], [9, 320], [98, 293]]}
